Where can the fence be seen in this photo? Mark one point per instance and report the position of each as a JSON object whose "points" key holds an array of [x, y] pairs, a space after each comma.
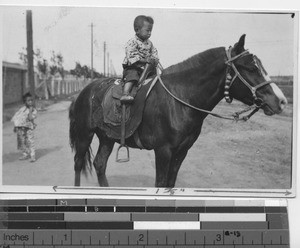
{"points": [[15, 84], [57, 86]]}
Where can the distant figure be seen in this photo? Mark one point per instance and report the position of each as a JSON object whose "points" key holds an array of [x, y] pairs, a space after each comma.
{"points": [[139, 51], [24, 125]]}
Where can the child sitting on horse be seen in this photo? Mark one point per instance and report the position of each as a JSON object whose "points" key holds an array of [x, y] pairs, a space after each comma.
{"points": [[139, 51]]}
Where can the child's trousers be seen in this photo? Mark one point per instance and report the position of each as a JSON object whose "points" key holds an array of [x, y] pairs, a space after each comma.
{"points": [[25, 138]]}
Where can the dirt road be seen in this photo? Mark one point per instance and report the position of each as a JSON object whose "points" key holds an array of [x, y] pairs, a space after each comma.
{"points": [[255, 154]]}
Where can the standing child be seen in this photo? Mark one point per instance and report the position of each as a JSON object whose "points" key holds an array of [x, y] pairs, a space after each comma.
{"points": [[139, 51], [24, 125]]}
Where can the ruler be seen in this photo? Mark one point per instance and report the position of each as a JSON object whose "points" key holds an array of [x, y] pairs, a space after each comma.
{"points": [[143, 223]]}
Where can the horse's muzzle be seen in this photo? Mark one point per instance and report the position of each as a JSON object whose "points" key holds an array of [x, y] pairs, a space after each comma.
{"points": [[276, 102], [271, 109]]}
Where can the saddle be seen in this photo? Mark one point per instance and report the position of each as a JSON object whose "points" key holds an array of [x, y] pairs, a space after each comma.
{"points": [[108, 116]]}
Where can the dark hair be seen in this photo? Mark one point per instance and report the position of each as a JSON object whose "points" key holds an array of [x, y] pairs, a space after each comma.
{"points": [[139, 21], [25, 96]]}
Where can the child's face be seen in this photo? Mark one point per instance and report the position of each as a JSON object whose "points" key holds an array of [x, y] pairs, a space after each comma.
{"points": [[144, 32], [29, 102]]}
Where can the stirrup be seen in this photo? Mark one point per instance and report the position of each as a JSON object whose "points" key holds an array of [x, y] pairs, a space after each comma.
{"points": [[126, 99], [125, 159]]}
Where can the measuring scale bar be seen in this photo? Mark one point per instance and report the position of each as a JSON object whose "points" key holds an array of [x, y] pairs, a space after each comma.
{"points": [[224, 230], [147, 224], [39, 238]]}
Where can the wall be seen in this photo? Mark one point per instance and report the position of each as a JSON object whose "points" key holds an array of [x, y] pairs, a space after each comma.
{"points": [[13, 84]]}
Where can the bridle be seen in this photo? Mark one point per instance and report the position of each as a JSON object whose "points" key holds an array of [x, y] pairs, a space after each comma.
{"points": [[258, 102]]}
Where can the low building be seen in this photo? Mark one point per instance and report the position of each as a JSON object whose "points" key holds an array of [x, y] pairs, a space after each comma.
{"points": [[14, 82]]}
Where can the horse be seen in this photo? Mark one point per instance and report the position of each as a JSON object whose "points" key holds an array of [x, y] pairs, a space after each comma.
{"points": [[168, 126]]}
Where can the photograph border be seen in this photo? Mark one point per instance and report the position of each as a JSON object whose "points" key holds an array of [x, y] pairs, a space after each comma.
{"points": [[185, 192]]}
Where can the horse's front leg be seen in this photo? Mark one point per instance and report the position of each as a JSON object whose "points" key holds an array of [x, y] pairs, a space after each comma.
{"points": [[174, 167], [163, 157]]}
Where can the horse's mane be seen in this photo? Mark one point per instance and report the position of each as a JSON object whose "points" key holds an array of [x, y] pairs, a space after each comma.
{"points": [[195, 61]]}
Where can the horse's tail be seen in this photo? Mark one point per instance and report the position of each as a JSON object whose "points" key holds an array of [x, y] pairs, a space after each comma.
{"points": [[75, 134]]}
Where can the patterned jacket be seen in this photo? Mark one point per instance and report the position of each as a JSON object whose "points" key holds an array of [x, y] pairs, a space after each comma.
{"points": [[20, 118], [136, 49]]}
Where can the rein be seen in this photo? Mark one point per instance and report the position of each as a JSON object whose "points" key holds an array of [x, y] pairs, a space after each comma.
{"points": [[229, 81], [233, 117]]}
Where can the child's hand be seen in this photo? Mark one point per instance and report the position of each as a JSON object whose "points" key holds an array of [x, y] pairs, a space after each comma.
{"points": [[142, 60], [151, 61]]}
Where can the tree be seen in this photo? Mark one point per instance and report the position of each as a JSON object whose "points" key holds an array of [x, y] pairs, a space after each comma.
{"points": [[77, 70], [85, 71], [41, 64], [23, 56], [97, 75], [56, 64]]}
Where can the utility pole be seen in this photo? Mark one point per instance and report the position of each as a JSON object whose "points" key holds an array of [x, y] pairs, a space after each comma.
{"points": [[92, 51], [108, 69], [30, 52], [113, 71], [104, 53]]}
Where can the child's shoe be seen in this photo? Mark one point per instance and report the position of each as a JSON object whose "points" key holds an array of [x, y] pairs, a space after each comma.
{"points": [[24, 157], [32, 159]]}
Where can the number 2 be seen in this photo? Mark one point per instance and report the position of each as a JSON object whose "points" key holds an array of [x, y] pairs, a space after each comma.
{"points": [[141, 237]]}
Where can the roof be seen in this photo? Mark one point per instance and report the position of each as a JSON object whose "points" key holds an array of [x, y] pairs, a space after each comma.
{"points": [[14, 66]]}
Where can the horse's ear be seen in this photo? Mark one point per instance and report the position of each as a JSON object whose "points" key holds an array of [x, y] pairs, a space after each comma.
{"points": [[239, 46]]}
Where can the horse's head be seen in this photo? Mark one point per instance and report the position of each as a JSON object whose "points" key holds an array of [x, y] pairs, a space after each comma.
{"points": [[248, 81]]}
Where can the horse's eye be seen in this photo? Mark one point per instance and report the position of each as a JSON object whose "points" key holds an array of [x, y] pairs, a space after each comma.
{"points": [[252, 68], [249, 67]]}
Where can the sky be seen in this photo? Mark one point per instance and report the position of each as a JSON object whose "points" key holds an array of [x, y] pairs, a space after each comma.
{"points": [[177, 34]]}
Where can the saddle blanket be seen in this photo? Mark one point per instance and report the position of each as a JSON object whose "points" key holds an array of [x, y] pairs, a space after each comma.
{"points": [[107, 109]]}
